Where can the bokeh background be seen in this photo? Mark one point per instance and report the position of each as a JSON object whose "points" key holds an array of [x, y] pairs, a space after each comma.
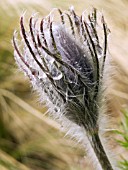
{"points": [[28, 139]]}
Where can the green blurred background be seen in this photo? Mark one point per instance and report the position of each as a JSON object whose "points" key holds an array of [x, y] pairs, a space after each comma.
{"points": [[28, 140]]}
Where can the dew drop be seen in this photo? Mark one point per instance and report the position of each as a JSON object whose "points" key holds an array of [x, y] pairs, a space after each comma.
{"points": [[58, 76]]}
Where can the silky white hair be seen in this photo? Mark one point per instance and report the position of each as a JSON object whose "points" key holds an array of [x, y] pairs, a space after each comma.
{"points": [[65, 63]]}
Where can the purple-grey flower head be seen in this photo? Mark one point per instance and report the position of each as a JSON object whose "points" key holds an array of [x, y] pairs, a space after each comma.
{"points": [[64, 61]]}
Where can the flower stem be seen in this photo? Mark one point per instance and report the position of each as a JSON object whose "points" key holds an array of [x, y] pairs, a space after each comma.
{"points": [[100, 152]]}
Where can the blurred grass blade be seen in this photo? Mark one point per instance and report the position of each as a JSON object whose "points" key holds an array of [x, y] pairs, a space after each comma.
{"points": [[28, 108]]}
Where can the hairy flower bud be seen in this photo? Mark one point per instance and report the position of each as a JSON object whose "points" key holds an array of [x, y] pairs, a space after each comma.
{"points": [[65, 63]]}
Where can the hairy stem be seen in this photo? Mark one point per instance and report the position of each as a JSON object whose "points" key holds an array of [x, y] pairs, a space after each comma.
{"points": [[100, 152]]}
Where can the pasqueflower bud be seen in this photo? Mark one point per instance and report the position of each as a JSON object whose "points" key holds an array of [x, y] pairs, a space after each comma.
{"points": [[65, 61]]}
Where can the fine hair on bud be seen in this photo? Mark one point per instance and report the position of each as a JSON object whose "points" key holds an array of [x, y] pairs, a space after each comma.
{"points": [[65, 60]]}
